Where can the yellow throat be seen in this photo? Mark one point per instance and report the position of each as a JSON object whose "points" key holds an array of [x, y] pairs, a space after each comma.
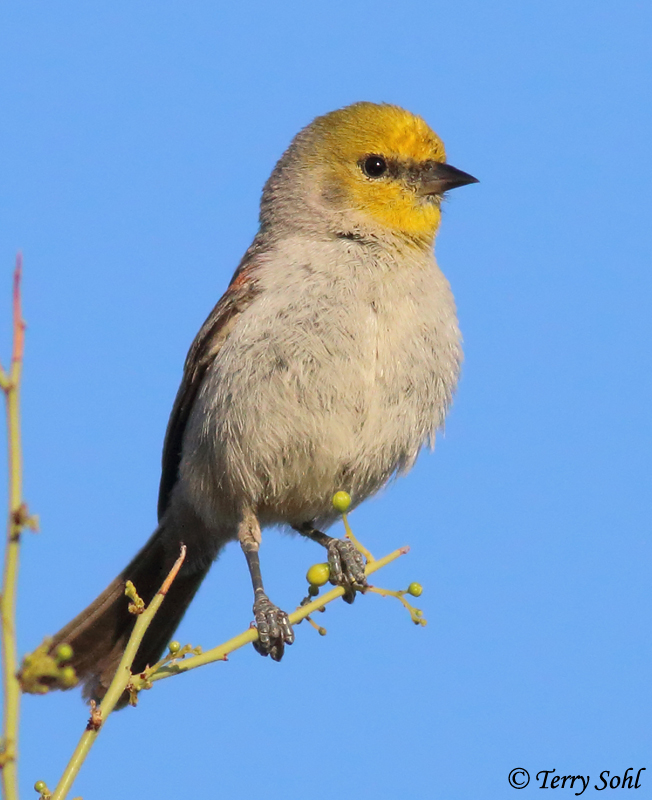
{"points": [[349, 135]]}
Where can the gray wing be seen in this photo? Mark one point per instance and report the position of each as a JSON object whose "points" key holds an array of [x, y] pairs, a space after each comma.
{"points": [[209, 340]]}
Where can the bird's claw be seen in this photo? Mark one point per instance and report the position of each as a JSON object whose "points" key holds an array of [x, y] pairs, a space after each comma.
{"points": [[346, 567], [274, 629]]}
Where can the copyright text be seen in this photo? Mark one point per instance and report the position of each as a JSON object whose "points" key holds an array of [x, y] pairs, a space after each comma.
{"points": [[519, 778]]}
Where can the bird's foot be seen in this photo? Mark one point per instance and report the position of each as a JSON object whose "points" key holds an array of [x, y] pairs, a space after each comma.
{"points": [[346, 567], [274, 629]]}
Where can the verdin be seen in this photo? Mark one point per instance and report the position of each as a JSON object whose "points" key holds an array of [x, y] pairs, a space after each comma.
{"points": [[328, 363]]}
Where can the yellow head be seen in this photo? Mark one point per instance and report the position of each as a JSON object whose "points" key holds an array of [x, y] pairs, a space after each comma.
{"points": [[381, 164]]}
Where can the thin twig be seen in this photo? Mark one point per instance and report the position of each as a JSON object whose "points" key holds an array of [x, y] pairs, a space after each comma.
{"points": [[124, 680], [18, 518], [357, 544], [251, 634], [123, 677], [118, 685]]}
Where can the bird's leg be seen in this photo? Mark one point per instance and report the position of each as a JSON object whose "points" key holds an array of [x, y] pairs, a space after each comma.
{"points": [[274, 629], [344, 559]]}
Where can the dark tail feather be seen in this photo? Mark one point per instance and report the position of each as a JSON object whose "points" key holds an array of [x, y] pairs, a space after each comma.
{"points": [[98, 636]]}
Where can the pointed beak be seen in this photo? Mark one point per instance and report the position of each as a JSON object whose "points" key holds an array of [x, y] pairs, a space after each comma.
{"points": [[438, 178]]}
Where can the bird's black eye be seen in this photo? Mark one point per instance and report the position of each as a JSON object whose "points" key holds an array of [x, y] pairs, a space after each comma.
{"points": [[374, 166]]}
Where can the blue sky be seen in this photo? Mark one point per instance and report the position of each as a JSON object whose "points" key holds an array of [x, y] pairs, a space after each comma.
{"points": [[134, 141]]}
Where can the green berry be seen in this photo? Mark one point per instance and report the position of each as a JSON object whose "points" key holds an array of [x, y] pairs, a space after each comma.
{"points": [[415, 589], [64, 652], [40, 787], [318, 574], [313, 591], [174, 648], [341, 501]]}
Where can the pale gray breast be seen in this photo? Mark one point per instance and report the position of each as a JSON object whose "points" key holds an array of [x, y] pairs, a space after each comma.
{"points": [[333, 378]]}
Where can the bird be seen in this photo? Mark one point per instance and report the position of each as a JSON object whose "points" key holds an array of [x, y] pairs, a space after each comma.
{"points": [[327, 365]]}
